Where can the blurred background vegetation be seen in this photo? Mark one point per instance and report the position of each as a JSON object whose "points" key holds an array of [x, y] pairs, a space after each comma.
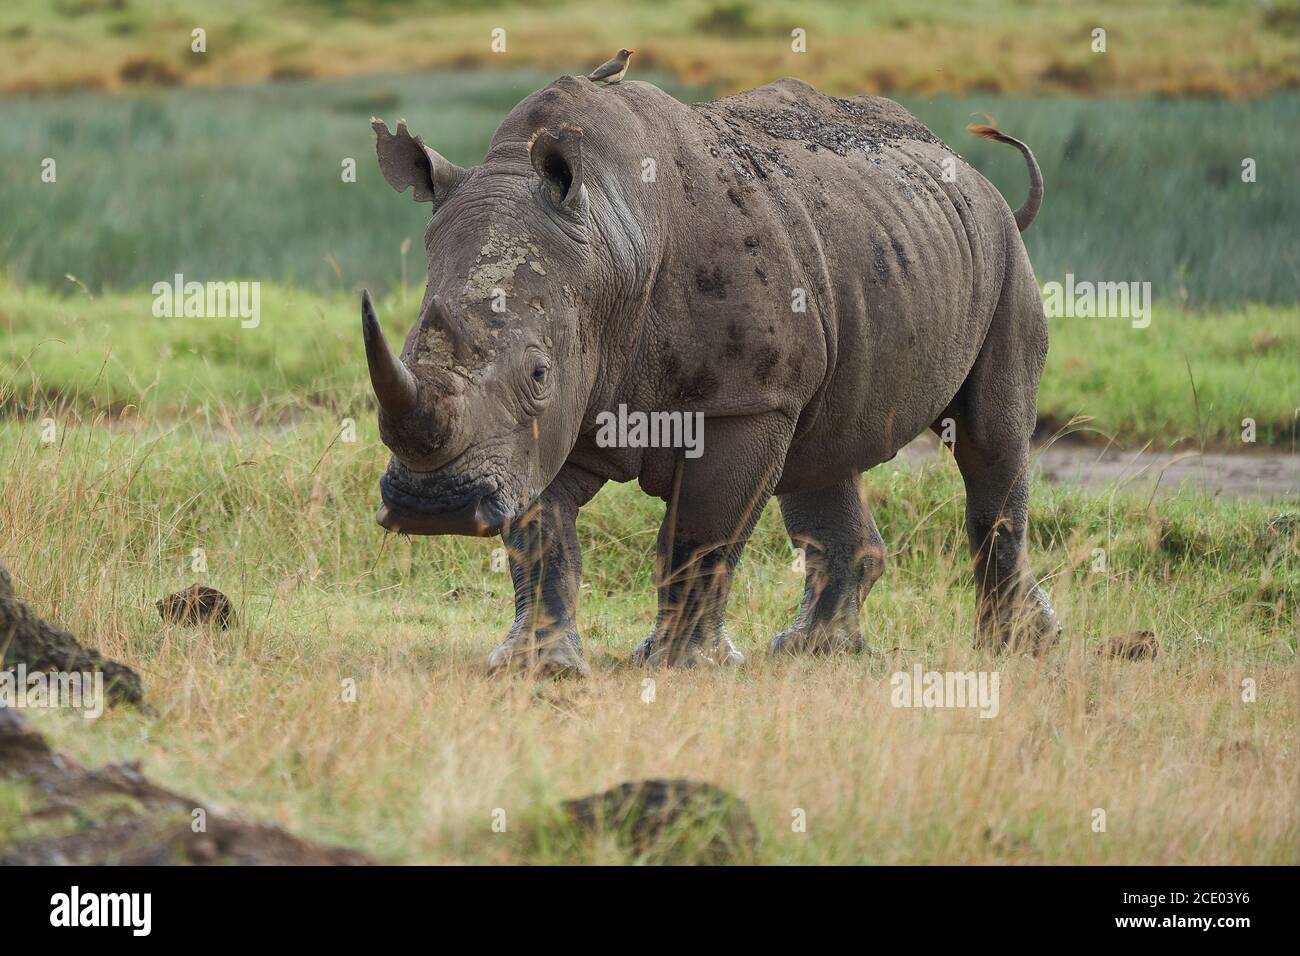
{"points": [[226, 164]]}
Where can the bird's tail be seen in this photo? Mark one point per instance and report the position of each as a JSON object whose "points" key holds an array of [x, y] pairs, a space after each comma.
{"points": [[1026, 213]]}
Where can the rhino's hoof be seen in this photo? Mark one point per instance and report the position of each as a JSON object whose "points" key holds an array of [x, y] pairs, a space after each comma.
{"points": [[1034, 630], [552, 657], [797, 640], [720, 652]]}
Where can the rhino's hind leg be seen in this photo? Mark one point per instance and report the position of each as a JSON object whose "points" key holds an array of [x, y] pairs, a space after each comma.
{"points": [[546, 566], [994, 413], [1013, 611], [844, 556]]}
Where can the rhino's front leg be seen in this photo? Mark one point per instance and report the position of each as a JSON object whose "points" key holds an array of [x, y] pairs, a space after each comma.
{"points": [[546, 566], [716, 501]]}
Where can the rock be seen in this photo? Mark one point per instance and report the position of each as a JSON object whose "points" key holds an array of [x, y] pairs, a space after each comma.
{"points": [[27, 639], [197, 604], [672, 821], [1137, 646], [19, 744], [116, 815]]}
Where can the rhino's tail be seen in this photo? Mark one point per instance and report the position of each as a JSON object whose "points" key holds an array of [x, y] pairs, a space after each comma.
{"points": [[1026, 213]]}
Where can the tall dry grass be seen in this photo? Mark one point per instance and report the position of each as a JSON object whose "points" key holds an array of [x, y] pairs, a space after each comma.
{"points": [[102, 523]]}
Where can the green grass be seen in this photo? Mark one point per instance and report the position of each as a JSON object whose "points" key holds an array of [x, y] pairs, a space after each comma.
{"points": [[242, 493], [246, 183], [109, 353], [1189, 378]]}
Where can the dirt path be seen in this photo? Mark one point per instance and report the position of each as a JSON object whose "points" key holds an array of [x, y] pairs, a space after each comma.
{"points": [[1272, 475]]}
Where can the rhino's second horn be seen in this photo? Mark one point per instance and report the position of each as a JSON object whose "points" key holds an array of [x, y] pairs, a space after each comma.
{"points": [[457, 334]]}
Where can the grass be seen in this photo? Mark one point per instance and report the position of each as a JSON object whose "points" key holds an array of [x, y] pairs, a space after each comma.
{"points": [[247, 183], [109, 354], [1189, 378], [100, 524], [1233, 48]]}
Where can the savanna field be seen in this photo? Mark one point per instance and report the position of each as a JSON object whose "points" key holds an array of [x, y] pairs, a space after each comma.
{"points": [[132, 446]]}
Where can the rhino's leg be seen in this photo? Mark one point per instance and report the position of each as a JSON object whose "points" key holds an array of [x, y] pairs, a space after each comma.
{"points": [[714, 505], [1013, 611], [994, 412], [546, 566], [844, 556]]}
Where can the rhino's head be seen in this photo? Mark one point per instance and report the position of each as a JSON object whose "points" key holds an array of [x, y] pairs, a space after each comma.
{"points": [[486, 400]]}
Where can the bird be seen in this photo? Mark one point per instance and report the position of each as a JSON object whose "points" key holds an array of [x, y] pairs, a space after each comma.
{"points": [[612, 71]]}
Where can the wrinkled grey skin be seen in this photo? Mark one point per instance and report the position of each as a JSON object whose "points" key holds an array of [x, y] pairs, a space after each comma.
{"points": [[677, 294]]}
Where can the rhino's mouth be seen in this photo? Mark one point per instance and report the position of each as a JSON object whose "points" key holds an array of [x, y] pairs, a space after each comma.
{"points": [[478, 520], [478, 511]]}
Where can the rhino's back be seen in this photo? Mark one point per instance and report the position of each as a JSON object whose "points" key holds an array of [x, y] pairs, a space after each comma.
{"points": [[796, 113], [896, 243]]}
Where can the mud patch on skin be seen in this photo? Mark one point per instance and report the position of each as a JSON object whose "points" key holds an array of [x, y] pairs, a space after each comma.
{"points": [[701, 386], [498, 259], [736, 196], [735, 347], [900, 254], [878, 260], [859, 124], [713, 283], [765, 362], [735, 145], [688, 182]]}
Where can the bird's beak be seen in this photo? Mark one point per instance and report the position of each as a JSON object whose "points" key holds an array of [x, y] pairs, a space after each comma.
{"points": [[630, 52]]}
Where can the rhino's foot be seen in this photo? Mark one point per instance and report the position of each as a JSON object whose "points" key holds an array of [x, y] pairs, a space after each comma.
{"points": [[558, 655], [656, 651], [1033, 629], [799, 639]]}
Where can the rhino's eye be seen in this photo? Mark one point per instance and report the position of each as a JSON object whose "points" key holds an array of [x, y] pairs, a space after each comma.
{"points": [[538, 391]]}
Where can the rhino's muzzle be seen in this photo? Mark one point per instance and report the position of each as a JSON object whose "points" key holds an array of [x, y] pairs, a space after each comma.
{"points": [[480, 512], [479, 519]]}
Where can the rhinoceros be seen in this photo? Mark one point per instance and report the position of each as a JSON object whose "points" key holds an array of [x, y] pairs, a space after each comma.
{"points": [[820, 278]]}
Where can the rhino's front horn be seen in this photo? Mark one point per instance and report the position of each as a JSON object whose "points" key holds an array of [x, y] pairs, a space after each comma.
{"points": [[392, 381]]}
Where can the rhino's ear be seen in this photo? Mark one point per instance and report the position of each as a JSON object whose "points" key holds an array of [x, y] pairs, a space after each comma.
{"points": [[406, 161], [556, 155]]}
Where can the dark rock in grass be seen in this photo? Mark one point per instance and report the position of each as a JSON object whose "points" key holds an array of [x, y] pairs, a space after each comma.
{"points": [[669, 821], [117, 816], [19, 743], [27, 639], [197, 604], [1137, 646]]}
